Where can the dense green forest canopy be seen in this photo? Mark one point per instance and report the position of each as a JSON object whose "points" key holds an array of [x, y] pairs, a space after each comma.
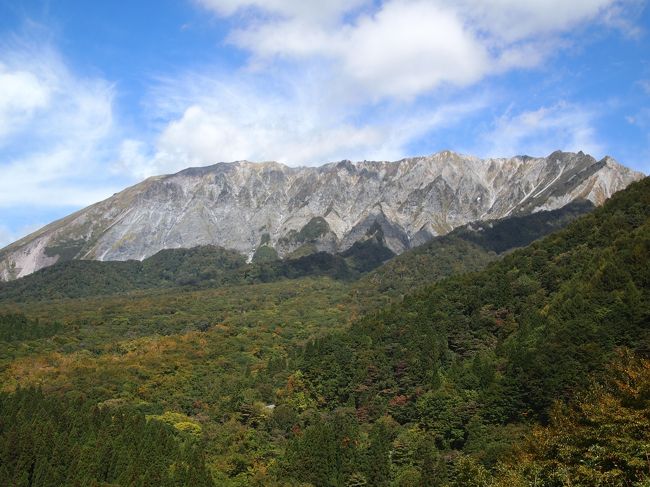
{"points": [[531, 371], [47, 441], [468, 360]]}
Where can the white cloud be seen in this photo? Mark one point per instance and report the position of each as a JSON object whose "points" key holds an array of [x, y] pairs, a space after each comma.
{"points": [[56, 126], [345, 79], [408, 49], [215, 119], [539, 132], [404, 48], [309, 10], [318, 69], [401, 50], [21, 94], [512, 20]]}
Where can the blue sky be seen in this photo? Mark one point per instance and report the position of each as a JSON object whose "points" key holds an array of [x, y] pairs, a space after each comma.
{"points": [[95, 96]]}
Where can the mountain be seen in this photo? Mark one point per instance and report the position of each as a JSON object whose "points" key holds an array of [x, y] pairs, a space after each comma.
{"points": [[269, 209]]}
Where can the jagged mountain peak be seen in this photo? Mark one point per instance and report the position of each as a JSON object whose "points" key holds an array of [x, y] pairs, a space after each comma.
{"points": [[241, 204]]}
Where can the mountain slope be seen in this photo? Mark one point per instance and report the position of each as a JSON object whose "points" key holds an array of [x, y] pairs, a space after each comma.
{"points": [[242, 206], [464, 366], [590, 279]]}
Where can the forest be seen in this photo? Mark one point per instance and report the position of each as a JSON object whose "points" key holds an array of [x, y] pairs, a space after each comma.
{"points": [[513, 354]]}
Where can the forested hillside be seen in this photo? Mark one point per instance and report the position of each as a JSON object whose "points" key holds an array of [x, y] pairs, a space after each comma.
{"points": [[199, 267], [532, 371], [49, 442], [462, 365]]}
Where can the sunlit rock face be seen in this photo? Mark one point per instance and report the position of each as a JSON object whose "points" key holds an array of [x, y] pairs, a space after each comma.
{"points": [[243, 205]]}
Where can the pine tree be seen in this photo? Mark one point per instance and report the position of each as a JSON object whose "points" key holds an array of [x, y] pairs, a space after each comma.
{"points": [[377, 456]]}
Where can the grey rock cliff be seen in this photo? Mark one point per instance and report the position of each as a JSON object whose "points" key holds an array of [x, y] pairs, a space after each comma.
{"points": [[242, 205]]}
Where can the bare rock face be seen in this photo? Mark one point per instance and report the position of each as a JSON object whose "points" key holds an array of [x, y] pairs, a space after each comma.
{"points": [[244, 205]]}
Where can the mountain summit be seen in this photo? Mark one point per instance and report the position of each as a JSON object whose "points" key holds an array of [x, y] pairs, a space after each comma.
{"points": [[249, 207]]}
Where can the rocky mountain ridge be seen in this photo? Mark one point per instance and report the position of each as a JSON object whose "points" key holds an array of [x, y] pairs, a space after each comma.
{"points": [[249, 207]]}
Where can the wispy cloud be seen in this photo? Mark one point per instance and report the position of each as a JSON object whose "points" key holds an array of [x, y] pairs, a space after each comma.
{"points": [[216, 118], [55, 129], [346, 79], [404, 48], [22, 94], [539, 132]]}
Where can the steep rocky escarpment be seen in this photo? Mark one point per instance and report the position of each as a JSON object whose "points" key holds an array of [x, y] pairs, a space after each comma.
{"points": [[269, 209]]}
